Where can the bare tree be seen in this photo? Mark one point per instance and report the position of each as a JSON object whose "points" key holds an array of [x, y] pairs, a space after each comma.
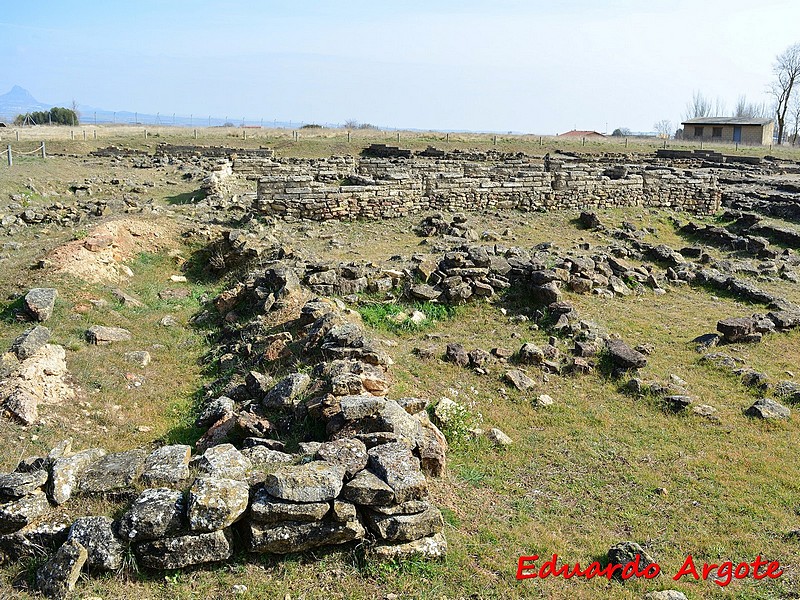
{"points": [[787, 71], [663, 128], [74, 108], [795, 116], [719, 107], [751, 110], [700, 106]]}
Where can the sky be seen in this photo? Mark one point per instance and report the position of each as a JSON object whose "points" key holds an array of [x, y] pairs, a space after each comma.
{"points": [[485, 65]]}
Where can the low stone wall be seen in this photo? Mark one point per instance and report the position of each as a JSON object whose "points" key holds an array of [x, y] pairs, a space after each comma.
{"points": [[390, 189]]}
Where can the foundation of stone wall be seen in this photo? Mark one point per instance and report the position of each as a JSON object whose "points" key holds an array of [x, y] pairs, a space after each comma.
{"points": [[390, 188]]}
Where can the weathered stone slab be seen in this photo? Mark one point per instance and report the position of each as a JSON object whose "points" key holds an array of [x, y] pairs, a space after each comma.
{"points": [[367, 489], [57, 577], [16, 485], [113, 471], [168, 465], [96, 534], [39, 303], [186, 550], [404, 528], [156, 513], [268, 509], [17, 514], [65, 472], [226, 461], [395, 464], [35, 539], [427, 548], [98, 334], [291, 536], [519, 380], [30, 341], [216, 503], [317, 481]]}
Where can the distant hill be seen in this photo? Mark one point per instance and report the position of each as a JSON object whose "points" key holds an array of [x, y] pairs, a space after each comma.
{"points": [[19, 101]]}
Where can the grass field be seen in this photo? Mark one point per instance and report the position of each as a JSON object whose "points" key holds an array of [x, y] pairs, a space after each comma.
{"points": [[315, 143], [598, 467]]}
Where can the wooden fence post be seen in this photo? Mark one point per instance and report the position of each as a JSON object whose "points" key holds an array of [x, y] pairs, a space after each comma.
{"points": [[10, 160], [44, 152]]}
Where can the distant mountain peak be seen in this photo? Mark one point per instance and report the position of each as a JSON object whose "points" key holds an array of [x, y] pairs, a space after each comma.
{"points": [[19, 101]]}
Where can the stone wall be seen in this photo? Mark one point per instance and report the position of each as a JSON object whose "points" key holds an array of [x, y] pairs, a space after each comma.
{"points": [[396, 188]]}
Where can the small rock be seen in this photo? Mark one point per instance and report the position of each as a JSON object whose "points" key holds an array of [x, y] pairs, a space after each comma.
{"points": [[625, 357], [140, 358], [767, 408], [99, 334], [519, 380], [498, 438], [39, 303]]}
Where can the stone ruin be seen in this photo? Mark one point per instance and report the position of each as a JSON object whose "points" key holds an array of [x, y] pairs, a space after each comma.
{"points": [[364, 482]]}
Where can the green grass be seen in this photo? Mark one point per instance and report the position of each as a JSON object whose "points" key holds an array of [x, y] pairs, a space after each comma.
{"points": [[384, 316]]}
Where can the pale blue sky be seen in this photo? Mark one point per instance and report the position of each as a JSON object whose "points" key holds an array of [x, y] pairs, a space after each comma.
{"points": [[539, 67]]}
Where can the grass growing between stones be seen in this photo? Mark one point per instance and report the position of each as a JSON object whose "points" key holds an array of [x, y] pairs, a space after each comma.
{"points": [[398, 317]]}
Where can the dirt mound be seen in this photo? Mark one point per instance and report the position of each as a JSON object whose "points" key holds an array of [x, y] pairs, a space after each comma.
{"points": [[99, 257]]}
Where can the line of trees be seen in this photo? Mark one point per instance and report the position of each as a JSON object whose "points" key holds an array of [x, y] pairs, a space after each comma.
{"points": [[55, 116]]}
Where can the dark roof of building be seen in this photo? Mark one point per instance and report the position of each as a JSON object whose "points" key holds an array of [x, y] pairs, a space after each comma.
{"points": [[578, 133], [726, 121]]}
